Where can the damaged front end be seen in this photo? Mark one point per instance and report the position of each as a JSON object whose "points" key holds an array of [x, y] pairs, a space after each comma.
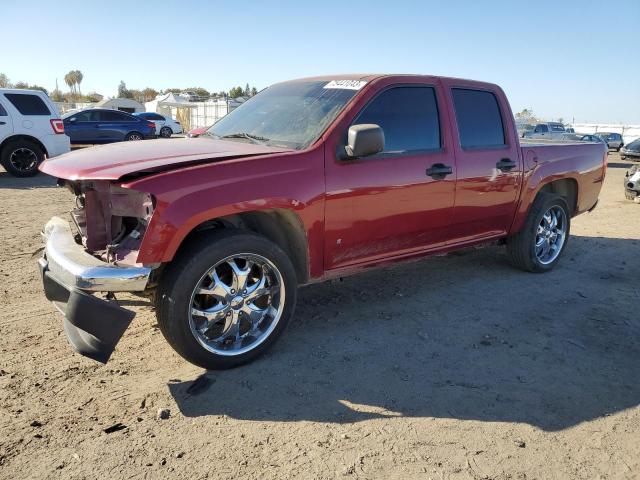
{"points": [[98, 255]]}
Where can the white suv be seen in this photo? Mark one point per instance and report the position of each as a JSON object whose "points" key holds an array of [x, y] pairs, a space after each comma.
{"points": [[30, 130]]}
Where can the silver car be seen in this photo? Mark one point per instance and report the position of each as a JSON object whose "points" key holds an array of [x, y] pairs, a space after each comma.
{"points": [[592, 138], [548, 131], [631, 150], [614, 140]]}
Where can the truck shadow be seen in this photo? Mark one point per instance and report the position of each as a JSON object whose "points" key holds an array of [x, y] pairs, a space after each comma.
{"points": [[464, 337]]}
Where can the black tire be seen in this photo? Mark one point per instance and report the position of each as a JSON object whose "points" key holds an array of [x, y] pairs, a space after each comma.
{"points": [[521, 246], [133, 136], [21, 158], [181, 276], [166, 132]]}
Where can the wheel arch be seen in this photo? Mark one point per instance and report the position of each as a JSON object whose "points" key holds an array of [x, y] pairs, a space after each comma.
{"points": [[281, 226], [22, 136], [566, 188]]}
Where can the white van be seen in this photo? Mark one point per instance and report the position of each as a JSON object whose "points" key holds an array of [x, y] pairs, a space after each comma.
{"points": [[30, 131]]}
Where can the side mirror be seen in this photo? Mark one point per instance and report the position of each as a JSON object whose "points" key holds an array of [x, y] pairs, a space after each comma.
{"points": [[365, 139]]}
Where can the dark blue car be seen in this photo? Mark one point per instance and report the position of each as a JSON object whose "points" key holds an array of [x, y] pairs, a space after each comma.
{"points": [[98, 125]]}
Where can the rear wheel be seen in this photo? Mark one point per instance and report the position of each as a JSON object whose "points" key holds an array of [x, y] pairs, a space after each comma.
{"points": [[166, 132], [226, 299], [538, 245], [133, 136], [21, 158]]}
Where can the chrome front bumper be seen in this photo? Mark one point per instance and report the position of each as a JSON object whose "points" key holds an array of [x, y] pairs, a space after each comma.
{"points": [[75, 268], [70, 276]]}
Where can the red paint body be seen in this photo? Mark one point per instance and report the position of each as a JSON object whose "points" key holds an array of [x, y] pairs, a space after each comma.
{"points": [[356, 213]]}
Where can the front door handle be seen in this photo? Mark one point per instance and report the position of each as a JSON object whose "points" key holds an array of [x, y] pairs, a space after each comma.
{"points": [[438, 171], [506, 165], [3, 123]]}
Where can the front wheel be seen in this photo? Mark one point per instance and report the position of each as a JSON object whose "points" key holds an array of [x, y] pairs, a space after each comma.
{"points": [[538, 245], [226, 298], [21, 158]]}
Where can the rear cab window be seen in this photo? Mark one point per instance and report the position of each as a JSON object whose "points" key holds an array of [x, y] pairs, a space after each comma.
{"points": [[408, 116], [480, 124], [28, 104]]}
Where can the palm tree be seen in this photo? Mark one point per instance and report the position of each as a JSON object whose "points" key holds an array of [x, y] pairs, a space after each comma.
{"points": [[78, 78], [69, 80]]}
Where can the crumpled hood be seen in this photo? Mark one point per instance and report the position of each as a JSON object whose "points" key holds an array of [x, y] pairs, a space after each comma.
{"points": [[116, 160]]}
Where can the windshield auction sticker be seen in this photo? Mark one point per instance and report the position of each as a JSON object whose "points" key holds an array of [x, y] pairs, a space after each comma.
{"points": [[346, 84]]}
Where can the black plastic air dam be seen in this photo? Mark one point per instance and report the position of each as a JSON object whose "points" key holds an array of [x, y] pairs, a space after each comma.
{"points": [[93, 326]]}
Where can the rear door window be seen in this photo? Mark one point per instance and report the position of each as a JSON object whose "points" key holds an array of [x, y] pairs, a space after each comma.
{"points": [[479, 119], [115, 116], [3, 112], [28, 104], [408, 117], [87, 116]]}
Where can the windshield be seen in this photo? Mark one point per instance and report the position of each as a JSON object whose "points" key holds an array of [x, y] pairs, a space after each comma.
{"points": [[291, 115]]}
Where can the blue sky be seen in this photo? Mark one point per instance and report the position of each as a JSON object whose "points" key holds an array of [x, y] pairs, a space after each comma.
{"points": [[561, 58]]}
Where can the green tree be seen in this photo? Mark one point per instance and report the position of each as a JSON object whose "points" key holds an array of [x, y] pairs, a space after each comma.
{"points": [[247, 91], [123, 92], [4, 81], [21, 85], [149, 94], [201, 92], [78, 76], [38, 87], [526, 115], [236, 92], [254, 91], [56, 95]]}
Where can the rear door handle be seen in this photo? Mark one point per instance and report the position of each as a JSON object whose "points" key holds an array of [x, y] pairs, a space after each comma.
{"points": [[506, 165], [438, 171], [3, 123]]}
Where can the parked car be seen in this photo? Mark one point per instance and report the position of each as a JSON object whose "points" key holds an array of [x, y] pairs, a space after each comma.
{"points": [[614, 140], [593, 138], [165, 126], [196, 132], [524, 128], [308, 180], [631, 150], [100, 125], [30, 130], [548, 131], [632, 183]]}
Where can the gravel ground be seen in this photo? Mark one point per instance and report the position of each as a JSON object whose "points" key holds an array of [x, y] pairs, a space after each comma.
{"points": [[456, 367]]}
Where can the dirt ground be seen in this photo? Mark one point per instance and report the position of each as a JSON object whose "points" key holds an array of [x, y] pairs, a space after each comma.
{"points": [[456, 367]]}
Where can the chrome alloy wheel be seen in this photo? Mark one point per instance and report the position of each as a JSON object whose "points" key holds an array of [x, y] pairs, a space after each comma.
{"points": [[236, 304], [23, 159], [551, 235]]}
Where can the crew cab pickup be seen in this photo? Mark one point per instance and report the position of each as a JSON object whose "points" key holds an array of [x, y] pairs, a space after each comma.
{"points": [[308, 180]]}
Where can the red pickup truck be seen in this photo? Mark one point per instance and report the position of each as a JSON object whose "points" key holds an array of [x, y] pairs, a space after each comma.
{"points": [[310, 179]]}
